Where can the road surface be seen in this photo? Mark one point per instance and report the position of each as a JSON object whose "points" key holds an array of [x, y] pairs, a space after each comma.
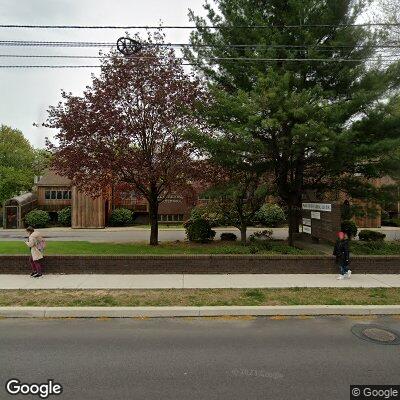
{"points": [[174, 359]]}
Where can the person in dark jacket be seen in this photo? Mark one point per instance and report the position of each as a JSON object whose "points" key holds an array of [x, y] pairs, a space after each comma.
{"points": [[342, 253]]}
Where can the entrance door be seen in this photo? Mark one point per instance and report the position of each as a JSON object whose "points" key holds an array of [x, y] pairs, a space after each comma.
{"points": [[106, 213], [11, 217]]}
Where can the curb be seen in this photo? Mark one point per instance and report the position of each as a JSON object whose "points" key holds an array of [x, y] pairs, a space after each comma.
{"points": [[169, 312]]}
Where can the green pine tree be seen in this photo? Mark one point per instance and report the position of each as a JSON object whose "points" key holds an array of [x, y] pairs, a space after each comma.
{"points": [[305, 102]]}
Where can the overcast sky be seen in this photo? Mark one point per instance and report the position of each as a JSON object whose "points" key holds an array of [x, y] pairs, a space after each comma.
{"points": [[25, 94]]}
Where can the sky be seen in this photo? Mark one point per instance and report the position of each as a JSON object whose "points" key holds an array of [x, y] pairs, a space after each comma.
{"points": [[26, 94]]}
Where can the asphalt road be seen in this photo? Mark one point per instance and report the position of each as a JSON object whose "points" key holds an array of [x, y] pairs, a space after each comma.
{"points": [[176, 359]]}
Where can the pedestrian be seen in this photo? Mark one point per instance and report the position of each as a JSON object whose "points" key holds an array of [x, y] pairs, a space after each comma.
{"points": [[342, 253], [37, 245]]}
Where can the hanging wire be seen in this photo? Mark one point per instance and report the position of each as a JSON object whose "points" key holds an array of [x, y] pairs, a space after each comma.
{"points": [[192, 64], [255, 46], [203, 58], [294, 26]]}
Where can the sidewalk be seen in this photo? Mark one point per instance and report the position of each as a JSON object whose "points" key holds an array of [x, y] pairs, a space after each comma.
{"points": [[180, 281]]}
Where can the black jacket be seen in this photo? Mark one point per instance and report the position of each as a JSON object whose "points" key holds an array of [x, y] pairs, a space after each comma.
{"points": [[341, 251]]}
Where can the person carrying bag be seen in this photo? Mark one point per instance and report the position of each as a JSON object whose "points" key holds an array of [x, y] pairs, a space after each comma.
{"points": [[37, 246]]}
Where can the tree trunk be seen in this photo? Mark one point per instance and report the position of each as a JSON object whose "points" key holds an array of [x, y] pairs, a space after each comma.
{"points": [[153, 217], [293, 224], [243, 233]]}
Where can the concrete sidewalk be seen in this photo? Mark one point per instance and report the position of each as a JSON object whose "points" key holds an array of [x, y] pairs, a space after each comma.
{"points": [[180, 281]]}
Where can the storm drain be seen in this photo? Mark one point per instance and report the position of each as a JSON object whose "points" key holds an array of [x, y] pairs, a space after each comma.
{"points": [[376, 334]]}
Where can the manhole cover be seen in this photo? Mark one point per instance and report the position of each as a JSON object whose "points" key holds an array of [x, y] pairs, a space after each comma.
{"points": [[379, 334], [376, 334]]}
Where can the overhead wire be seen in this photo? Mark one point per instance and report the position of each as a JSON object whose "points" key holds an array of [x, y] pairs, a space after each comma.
{"points": [[289, 26], [200, 45], [204, 58], [185, 63], [298, 48]]}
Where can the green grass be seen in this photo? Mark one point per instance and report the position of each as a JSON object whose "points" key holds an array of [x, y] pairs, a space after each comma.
{"points": [[217, 247], [375, 248], [200, 297]]}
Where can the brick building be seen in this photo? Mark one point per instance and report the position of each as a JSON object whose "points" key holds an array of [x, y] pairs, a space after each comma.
{"points": [[53, 192]]}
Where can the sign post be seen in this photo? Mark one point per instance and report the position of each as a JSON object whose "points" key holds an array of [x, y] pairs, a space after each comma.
{"points": [[321, 220]]}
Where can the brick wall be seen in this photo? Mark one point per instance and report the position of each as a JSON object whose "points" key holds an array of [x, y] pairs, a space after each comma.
{"points": [[200, 264]]}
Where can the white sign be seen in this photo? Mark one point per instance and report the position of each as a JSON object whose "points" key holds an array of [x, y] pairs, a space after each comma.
{"points": [[307, 221], [315, 215], [307, 229], [317, 206]]}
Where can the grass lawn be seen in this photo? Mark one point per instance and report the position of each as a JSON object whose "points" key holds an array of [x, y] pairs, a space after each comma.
{"points": [[375, 248], [217, 247], [201, 297]]}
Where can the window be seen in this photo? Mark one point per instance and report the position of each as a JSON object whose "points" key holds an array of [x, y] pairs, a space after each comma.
{"points": [[170, 217], [57, 194]]}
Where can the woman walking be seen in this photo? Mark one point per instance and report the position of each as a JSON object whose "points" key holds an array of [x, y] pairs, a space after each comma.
{"points": [[342, 253], [36, 244]]}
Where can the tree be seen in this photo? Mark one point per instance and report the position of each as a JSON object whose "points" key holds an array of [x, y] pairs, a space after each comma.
{"points": [[127, 127], [42, 160], [238, 200], [388, 11], [16, 160], [297, 93]]}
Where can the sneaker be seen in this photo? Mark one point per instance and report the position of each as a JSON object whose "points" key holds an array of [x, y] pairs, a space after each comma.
{"points": [[348, 275], [33, 274], [340, 277], [37, 275]]}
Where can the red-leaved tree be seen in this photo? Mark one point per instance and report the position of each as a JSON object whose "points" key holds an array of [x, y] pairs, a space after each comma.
{"points": [[128, 127]]}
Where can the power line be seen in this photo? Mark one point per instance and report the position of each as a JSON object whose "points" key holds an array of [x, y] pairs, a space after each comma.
{"points": [[55, 44], [15, 26], [203, 58], [188, 64], [28, 43]]}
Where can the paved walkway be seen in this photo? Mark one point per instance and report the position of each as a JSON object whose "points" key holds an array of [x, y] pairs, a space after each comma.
{"points": [[179, 281]]}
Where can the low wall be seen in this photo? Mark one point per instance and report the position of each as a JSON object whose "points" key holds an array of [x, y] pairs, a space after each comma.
{"points": [[200, 264]]}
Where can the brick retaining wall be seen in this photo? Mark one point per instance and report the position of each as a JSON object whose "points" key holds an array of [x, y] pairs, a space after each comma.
{"points": [[200, 264]]}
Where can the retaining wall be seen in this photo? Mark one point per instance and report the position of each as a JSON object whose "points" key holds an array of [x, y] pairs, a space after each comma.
{"points": [[200, 264]]}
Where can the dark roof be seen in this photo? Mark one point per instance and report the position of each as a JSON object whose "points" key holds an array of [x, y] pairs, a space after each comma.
{"points": [[21, 200], [50, 178]]}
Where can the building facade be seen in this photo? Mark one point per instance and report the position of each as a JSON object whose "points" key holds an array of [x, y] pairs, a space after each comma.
{"points": [[53, 192]]}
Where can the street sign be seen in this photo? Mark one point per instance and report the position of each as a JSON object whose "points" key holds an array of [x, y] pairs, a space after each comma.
{"points": [[317, 206], [321, 220], [307, 221], [315, 215]]}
